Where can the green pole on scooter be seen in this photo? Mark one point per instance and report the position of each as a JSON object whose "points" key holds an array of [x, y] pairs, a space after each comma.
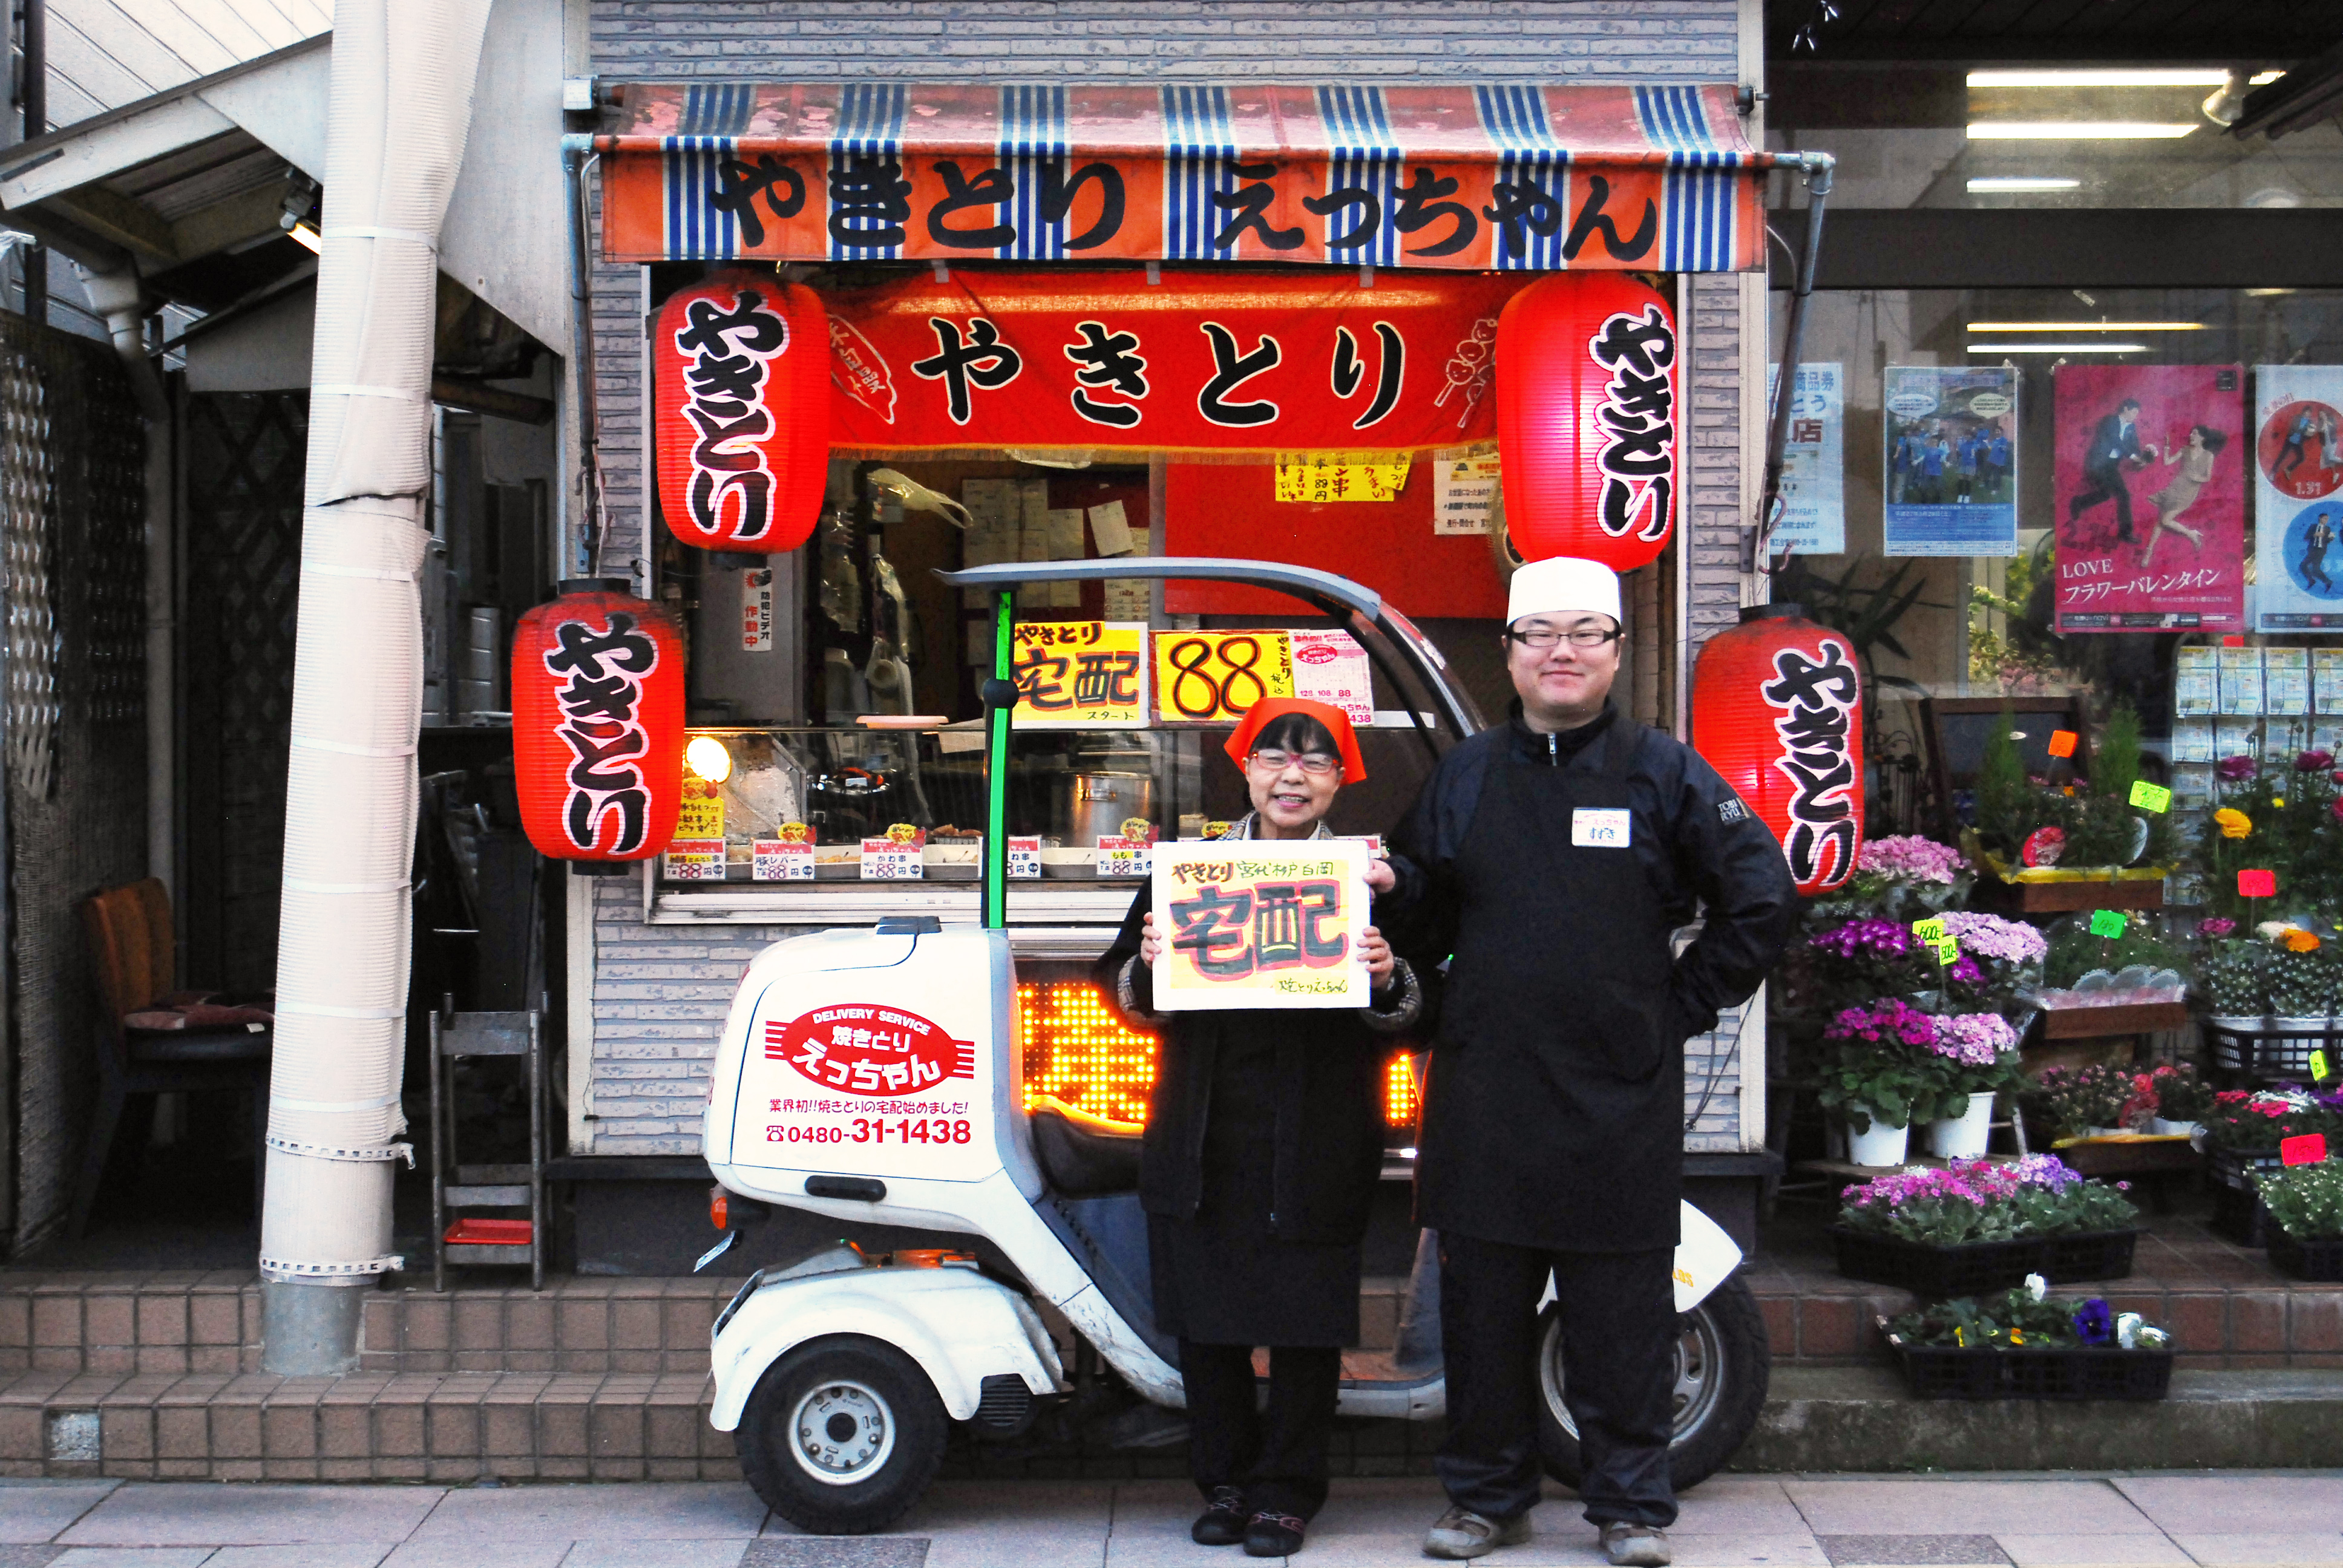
{"points": [[999, 698]]}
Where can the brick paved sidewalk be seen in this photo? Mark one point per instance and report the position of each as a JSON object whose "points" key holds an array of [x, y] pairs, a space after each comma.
{"points": [[2267, 1521]]}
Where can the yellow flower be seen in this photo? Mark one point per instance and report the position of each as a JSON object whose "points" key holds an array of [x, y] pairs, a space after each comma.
{"points": [[2278, 800], [2301, 941], [2234, 823], [2017, 1336]]}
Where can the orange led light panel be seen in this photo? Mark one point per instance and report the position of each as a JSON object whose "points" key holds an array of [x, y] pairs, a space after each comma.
{"points": [[1400, 1102], [1075, 1049]]}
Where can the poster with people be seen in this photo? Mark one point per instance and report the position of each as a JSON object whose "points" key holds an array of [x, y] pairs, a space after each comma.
{"points": [[2150, 497], [2297, 461], [1950, 458], [1813, 519]]}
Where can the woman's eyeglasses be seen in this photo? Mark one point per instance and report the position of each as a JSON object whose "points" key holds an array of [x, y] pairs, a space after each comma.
{"points": [[1580, 636], [1315, 763]]}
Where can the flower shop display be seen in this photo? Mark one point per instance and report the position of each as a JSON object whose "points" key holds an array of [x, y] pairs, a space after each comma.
{"points": [[2183, 1099], [1890, 1066], [1902, 877], [2030, 829], [2286, 821], [2304, 1226], [2270, 995], [2241, 1134], [1982, 1224], [2135, 966], [2090, 1101], [2022, 1343]]}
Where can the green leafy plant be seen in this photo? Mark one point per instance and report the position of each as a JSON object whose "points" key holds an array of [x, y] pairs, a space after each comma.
{"points": [[1853, 1079], [1974, 1200], [2075, 951], [2024, 1318], [2307, 1200], [2233, 977], [2181, 1095], [2074, 1099]]}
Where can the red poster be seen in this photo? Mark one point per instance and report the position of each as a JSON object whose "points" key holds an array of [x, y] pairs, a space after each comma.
{"points": [[2151, 498], [1197, 362]]}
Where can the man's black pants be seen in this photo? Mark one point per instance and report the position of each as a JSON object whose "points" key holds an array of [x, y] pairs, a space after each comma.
{"points": [[2106, 485], [1618, 1361], [1278, 1456]]}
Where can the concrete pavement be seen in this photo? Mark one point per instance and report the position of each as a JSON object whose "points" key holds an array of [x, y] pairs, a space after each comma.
{"points": [[2222, 1519]]}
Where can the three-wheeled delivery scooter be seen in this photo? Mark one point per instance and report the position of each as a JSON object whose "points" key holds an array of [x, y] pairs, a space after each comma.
{"points": [[841, 1375]]}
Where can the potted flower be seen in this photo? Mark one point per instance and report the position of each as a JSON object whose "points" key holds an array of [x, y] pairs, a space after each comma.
{"points": [[2183, 1099], [2305, 1205], [1876, 1064], [2088, 1101], [2024, 1345], [1977, 1055], [2241, 1134], [2082, 969], [2233, 976], [2286, 821], [1979, 1225], [2036, 833], [1901, 878]]}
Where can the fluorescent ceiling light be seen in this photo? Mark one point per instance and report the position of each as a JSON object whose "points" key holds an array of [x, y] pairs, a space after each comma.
{"points": [[2056, 348], [308, 237], [2263, 78], [1997, 184], [2087, 327], [2165, 78], [2077, 130]]}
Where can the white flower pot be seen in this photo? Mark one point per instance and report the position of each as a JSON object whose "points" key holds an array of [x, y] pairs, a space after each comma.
{"points": [[1883, 1145], [2169, 1129], [1963, 1137]]}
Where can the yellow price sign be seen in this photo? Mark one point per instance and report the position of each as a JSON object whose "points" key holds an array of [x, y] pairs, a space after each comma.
{"points": [[1317, 477], [2319, 1067], [2150, 796], [1080, 673], [701, 815], [1216, 676], [1929, 931]]}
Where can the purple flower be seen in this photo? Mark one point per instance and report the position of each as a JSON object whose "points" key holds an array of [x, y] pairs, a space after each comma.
{"points": [[2314, 762], [2234, 767], [2218, 926], [1911, 858], [2093, 1323], [2011, 942]]}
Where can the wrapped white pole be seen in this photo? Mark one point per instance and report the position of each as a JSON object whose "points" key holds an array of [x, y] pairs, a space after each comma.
{"points": [[401, 104]]}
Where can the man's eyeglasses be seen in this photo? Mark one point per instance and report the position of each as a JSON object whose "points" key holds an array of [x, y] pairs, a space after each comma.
{"points": [[1580, 636], [1315, 763]]}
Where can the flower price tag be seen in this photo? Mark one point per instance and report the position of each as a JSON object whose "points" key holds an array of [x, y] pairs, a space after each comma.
{"points": [[2107, 924], [2317, 1067], [1948, 950], [2257, 884], [2310, 1148], [2150, 796], [1929, 931], [2062, 743]]}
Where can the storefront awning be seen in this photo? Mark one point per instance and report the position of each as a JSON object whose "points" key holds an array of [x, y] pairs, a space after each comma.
{"points": [[1495, 176]]}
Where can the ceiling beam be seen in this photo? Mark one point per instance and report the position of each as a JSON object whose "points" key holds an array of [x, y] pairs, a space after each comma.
{"points": [[2240, 49], [2069, 247], [114, 217], [230, 221]]}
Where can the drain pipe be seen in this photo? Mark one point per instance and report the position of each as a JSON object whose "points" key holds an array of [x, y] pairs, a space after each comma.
{"points": [[400, 110], [116, 297], [1817, 168], [577, 160]]}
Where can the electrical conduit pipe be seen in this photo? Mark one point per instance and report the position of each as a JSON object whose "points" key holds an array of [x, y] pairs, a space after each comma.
{"points": [[399, 109]]}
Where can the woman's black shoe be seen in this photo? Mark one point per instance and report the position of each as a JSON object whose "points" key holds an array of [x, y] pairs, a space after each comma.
{"points": [[1223, 1522], [1273, 1536]]}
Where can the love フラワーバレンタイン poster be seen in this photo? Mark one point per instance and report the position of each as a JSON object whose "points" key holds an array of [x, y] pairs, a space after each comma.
{"points": [[1951, 460], [1260, 922], [2150, 498], [2298, 460]]}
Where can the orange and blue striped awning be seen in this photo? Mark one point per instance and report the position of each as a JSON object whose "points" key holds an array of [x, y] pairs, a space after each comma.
{"points": [[1499, 175]]}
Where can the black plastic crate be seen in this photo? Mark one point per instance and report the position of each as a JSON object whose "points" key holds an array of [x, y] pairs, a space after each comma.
{"points": [[2098, 1255], [2087, 1372], [2269, 1053], [2239, 1215], [2237, 1168], [1946, 1371], [2321, 1261], [1933, 1273]]}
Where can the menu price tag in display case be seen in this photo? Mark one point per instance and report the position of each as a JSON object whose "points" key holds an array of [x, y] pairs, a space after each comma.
{"points": [[1080, 673], [695, 861], [1216, 676], [1119, 855], [900, 857], [788, 858], [1251, 924], [1025, 859], [701, 815], [1464, 491], [1330, 666]]}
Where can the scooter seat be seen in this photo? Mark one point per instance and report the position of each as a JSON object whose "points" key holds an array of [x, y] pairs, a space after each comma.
{"points": [[1082, 1155]]}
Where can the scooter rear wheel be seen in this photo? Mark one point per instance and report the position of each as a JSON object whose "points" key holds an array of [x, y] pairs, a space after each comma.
{"points": [[1723, 1364], [841, 1435]]}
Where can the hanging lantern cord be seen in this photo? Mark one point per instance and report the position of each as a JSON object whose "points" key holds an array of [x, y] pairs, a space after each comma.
{"points": [[1817, 169]]}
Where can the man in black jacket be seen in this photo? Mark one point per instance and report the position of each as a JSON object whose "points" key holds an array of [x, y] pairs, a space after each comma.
{"points": [[2115, 441], [1553, 857]]}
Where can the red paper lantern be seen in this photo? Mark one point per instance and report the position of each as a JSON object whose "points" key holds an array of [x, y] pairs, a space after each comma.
{"points": [[1586, 418], [741, 410], [597, 723], [1777, 709]]}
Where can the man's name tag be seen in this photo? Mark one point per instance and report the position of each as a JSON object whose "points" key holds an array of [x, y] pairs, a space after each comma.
{"points": [[1598, 828]]}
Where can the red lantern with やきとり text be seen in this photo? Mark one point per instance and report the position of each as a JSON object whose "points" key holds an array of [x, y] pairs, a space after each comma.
{"points": [[740, 412], [1777, 709], [1587, 414], [597, 723]]}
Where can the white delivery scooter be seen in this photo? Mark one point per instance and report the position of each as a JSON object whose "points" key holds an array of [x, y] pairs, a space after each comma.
{"points": [[871, 1076]]}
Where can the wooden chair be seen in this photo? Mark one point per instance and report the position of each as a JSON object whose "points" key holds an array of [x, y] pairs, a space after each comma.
{"points": [[133, 959]]}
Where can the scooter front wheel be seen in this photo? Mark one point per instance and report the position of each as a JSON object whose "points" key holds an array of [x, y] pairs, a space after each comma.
{"points": [[841, 1435], [1723, 1366]]}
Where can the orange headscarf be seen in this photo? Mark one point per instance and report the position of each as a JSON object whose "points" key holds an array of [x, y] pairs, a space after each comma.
{"points": [[1337, 723]]}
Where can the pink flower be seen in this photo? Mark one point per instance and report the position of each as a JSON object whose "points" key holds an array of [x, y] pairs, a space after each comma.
{"points": [[2236, 768], [2314, 762], [2217, 927]]}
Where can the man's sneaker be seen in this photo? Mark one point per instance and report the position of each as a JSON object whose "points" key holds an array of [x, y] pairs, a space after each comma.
{"points": [[1223, 1522], [1461, 1533], [1636, 1545], [1273, 1536]]}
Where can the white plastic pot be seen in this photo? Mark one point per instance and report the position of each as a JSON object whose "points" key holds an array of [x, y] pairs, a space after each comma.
{"points": [[2166, 1129], [1883, 1145], [1962, 1137]]}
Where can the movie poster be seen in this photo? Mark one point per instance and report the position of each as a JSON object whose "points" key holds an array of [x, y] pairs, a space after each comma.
{"points": [[1812, 521], [2150, 497], [2297, 461], [1951, 460]]}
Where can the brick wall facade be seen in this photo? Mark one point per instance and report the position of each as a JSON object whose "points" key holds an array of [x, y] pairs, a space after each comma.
{"points": [[660, 992]]}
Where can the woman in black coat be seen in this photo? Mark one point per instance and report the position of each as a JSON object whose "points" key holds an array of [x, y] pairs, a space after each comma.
{"points": [[1263, 1145]]}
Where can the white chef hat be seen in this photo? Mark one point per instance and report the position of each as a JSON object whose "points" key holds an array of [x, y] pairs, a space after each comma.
{"points": [[1562, 584]]}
